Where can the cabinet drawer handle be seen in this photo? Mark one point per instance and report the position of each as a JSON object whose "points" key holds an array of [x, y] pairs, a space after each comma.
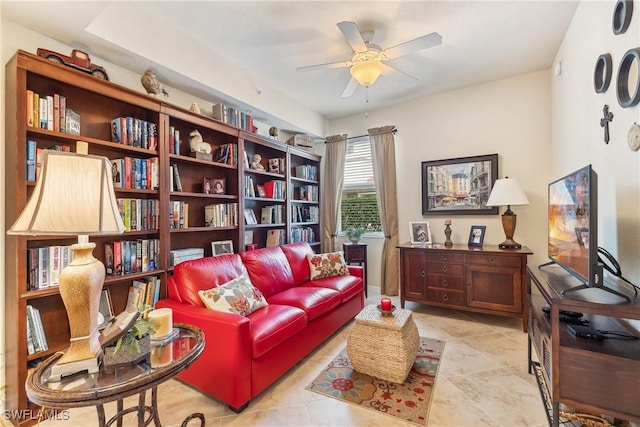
{"points": [[492, 260], [422, 274], [445, 257], [444, 269], [445, 283], [445, 297]]}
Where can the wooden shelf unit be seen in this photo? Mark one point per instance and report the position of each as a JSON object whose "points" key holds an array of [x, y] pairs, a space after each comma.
{"points": [[592, 376], [98, 102], [484, 280]]}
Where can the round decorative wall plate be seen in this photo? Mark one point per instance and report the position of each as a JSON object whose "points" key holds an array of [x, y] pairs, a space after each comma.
{"points": [[634, 137], [602, 73], [622, 16]]}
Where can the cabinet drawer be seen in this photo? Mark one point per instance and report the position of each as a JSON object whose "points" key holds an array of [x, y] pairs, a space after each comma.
{"points": [[446, 296], [446, 268], [448, 282], [506, 261], [445, 257]]}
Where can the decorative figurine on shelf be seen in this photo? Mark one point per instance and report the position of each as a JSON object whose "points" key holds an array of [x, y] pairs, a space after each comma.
{"points": [[447, 232], [255, 164], [197, 144], [273, 132], [195, 108], [151, 83]]}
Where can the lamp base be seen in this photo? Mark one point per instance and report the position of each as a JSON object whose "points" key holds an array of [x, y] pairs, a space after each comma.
{"points": [[510, 244], [58, 371]]}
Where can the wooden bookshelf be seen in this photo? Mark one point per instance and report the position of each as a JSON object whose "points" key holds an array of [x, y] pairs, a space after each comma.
{"points": [[98, 102]]}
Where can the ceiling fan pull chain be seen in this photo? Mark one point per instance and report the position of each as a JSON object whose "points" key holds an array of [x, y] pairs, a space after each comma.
{"points": [[366, 102]]}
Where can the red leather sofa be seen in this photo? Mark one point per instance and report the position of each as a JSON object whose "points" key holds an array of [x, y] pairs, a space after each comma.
{"points": [[244, 355]]}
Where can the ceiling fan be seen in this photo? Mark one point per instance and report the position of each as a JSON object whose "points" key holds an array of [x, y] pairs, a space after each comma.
{"points": [[368, 58]]}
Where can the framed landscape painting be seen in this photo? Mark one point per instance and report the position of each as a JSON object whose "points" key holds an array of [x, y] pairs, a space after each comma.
{"points": [[459, 186]]}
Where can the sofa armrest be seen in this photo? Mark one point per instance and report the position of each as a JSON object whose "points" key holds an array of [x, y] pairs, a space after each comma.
{"points": [[356, 270]]}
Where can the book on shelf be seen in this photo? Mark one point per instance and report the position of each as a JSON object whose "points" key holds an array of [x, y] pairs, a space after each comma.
{"points": [[176, 256], [275, 189], [221, 215], [302, 234], [275, 237], [176, 178], [35, 331], [31, 159], [54, 265], [266, 216], [30, 108], [72, 122]]}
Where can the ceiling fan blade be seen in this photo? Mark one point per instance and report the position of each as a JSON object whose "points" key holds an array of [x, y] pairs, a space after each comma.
{"points": [[341, 64], [353, 36], [415, 45], [388, 70], [350, 88]]}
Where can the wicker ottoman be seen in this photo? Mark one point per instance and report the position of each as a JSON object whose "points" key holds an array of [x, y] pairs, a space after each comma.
{"points": [[383, 346]]}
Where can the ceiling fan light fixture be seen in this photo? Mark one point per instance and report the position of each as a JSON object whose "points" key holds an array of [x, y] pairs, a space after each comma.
{"points": [[366, 72]]}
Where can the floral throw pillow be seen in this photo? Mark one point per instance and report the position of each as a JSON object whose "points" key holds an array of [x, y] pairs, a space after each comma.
{"points": [[327, 265], [237, 296]]}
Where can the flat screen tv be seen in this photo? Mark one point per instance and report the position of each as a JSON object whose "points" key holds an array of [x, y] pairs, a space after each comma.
{"points": [[573, 228]]}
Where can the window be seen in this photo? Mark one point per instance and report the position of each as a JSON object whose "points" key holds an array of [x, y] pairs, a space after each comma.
{"points": [[359, 200]]}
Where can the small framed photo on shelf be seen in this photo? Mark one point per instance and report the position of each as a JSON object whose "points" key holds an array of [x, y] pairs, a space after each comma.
{"points": [[250, 216], [222, 247], [218, 186], [105, 309], [248, 237], [206, 185], [420, 233], [476, 235], [261, 191]]}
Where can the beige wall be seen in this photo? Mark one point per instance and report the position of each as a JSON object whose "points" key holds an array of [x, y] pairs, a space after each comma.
{"points": [[510, 117]]}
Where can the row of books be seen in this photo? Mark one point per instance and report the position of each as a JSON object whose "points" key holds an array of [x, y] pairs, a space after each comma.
{"points": [[139, 214], [135, 132], [44, 265], [275, 189], [178, 214], [34, 157], [50, 112], [233, 117], [227, 154], [273, 214], [306, 192], [144, 293], [221, 215], [175, 183], [174, 140], [129, 172], [277, 165], [36, 339], [309, 172], [303, 234], [131, 256], [305, 213], [177, 256]]}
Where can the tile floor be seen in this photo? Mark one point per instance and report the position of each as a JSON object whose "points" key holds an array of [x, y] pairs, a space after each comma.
{"points": [[482, 381]]}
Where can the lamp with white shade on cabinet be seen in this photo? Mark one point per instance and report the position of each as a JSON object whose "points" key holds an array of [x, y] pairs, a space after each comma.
{"points": [[74, 196], [507, 191]]}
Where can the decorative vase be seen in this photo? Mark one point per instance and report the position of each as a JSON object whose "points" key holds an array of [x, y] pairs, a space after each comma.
{"points": [[354, 240], [447, 233]]}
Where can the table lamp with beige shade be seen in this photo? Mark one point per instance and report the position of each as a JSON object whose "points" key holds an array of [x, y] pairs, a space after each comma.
{"points": [[74, 196], [507, 192]]}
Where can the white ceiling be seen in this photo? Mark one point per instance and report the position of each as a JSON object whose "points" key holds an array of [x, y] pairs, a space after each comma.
{"points": [[482, 41]]}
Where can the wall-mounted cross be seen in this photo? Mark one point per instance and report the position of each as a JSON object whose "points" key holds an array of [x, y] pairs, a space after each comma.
{"points": [[604, 122]]}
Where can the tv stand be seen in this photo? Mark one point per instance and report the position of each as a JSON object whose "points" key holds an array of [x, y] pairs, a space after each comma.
{"points": [[588, 376], [603, 287]]}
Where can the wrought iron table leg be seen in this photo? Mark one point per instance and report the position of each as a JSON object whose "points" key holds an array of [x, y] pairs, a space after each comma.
{"points": [[154, 405], [141, 409], [101, 416], [197, 415]]}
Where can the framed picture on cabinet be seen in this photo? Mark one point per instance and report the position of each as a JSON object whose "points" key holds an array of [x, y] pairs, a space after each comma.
{"points": [[459, 186], [222, 247], [476, 235], [420, 233]]}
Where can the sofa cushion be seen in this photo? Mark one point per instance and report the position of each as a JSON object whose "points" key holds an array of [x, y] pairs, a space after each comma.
{"points": [[327, 265], [268, 269], [205, 273], [272, 325], [237, 296], [348, 286], [297, 253], [315, 301]]}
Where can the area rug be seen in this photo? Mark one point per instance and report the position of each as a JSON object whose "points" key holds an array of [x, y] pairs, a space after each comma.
{"points": [[409, 401]]}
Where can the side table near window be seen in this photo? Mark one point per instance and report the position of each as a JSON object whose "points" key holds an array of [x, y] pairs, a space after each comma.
{"points": [[356, 253], [97, 389]]}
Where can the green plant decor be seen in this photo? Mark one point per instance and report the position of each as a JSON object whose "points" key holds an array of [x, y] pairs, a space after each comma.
{"points": [[129, 340], [355, 233]]}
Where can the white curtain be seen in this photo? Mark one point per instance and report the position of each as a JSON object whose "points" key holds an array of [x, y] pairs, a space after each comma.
{"points": [[332, 180]]}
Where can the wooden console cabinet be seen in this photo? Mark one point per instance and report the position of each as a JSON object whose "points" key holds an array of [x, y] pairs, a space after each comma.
{"points": [[586, 375], [484, 280]]}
